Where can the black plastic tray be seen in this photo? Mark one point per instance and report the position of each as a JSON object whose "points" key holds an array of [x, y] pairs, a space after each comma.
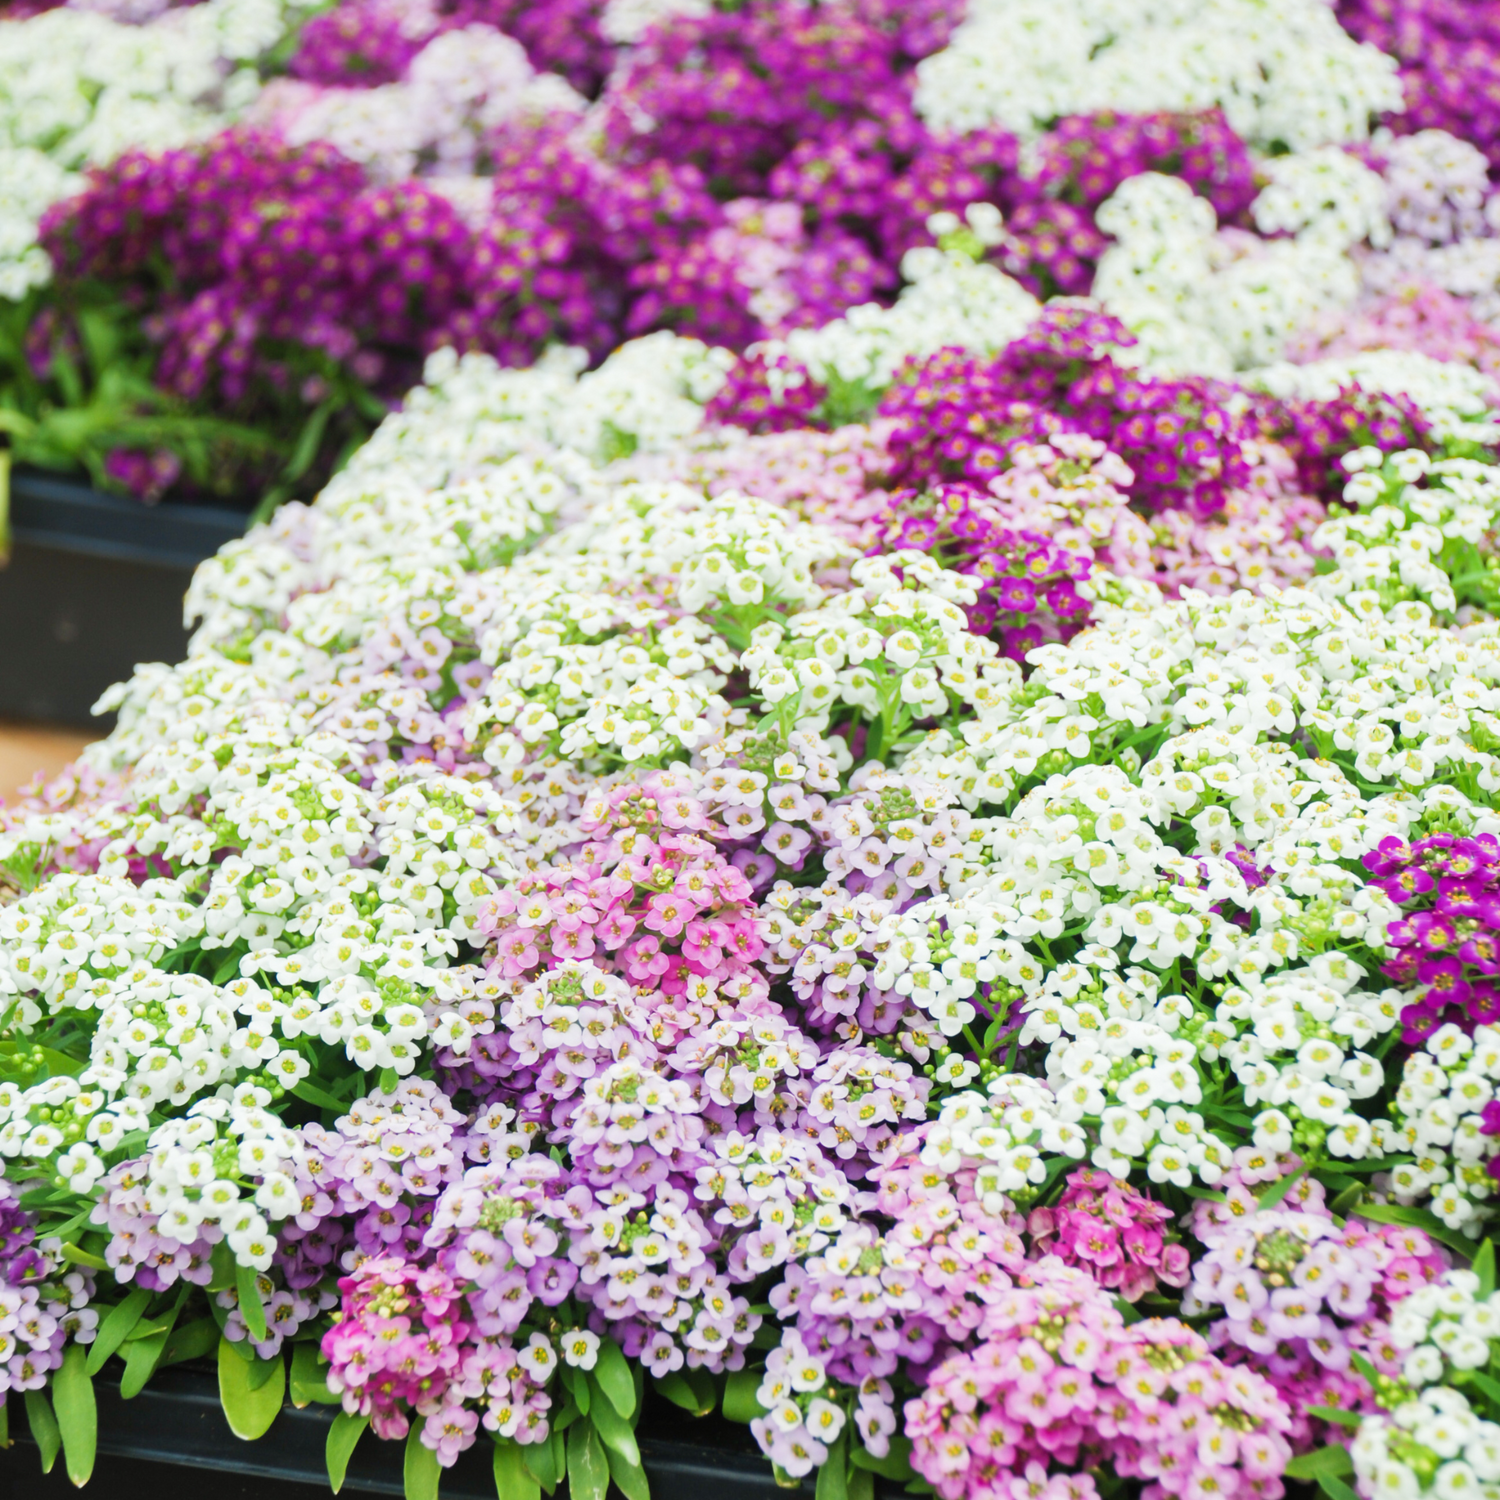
{"points": [[94, 586], [176, 1421]]}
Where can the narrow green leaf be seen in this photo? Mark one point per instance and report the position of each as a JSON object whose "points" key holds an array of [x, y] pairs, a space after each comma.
{"points": [[343, 1435], [1335, 1488], [222, 1264], [833, 1480], [740, 1404], [142, 1356], [588, 1469], [308, 1382], [74, 1256], [615, 1432], [421, 1470], [612, 1372], [680, 1393], [43, 1426], [1333, 1460], [251, 1308], [4, 1427], [629, 1478], [312, 1094], [861, 1484], [1418, 1218], [577, 1385], [1484, 1269], [1333, 1414], [121, 1319], [1278, 1190], [248, 1411], [513, 1480], [77, 1414], [1487, 1383]]}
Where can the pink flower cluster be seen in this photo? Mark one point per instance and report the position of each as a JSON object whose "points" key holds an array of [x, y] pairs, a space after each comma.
{"points": [[1056, 1383], [1117, 1234]]}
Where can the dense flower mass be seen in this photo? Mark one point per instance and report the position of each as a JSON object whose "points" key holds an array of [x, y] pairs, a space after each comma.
{"points": [[869, 798]]}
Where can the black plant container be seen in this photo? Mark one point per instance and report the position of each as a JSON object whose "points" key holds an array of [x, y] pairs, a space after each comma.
{"points": [[94, 585], [171, 1442]]}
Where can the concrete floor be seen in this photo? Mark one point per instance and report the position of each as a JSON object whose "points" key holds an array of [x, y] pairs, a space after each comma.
{"points": [[26, 749]]}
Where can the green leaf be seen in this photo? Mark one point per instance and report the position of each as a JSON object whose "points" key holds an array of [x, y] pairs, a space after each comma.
{"points": [[612, 1374], [615, 1432], [77, 1414], [390, 1080], [513, 1480], [74, 1256], [576, 1383], [540, 1462], [629, 1478], [861, 1483], [191, 1341], [1332, 1461], [120, 1320], [4, 1427], [43, 1426], [895, 1465], [262, 1370], [588, 1469], [343, 1435], [252, 1310], [223, 1265], [142, 1356], [1333, 1414], [1335, 1488], [420, 1471], [1484, 1269], [310, 1093], [740, 1404], [308, 1383], [1278, 1190], [1418, 1218], [681, 1392], [833, 1480], [1487, 1383], [249, 1411]]}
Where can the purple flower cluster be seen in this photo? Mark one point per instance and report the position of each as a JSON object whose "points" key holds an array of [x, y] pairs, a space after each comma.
{"points": [[1027, 581], [961, 416], [1087, 157], [1299, 1295], [1447, 939], [40, 1310], [1449, 51]]}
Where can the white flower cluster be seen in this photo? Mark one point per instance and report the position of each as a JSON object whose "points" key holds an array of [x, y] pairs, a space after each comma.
{"points": [[1438, 1118], [949, 300], [1458, 400], [1433, 1444], [1448, 1325], [1202, 302], [1324, 196], [1283, 70], [1402, 530], [1006, 1135]]}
